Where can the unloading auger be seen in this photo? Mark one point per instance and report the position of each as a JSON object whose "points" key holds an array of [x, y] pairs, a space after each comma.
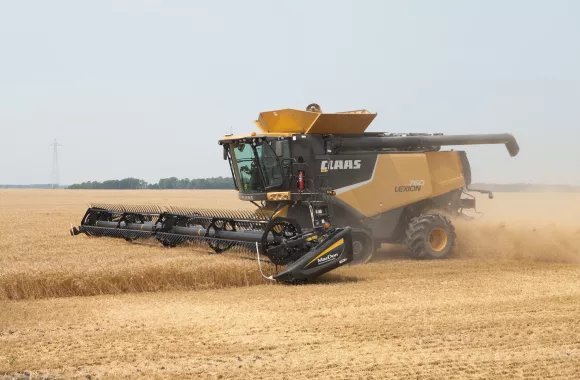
{"points": [[306, 254], [327, 193]]}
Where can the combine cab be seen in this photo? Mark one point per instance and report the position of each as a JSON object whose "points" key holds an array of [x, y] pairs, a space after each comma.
{"points": [[327, 193]]}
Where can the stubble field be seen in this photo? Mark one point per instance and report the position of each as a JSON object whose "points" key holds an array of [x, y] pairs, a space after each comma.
{"points": [[507, 306]]}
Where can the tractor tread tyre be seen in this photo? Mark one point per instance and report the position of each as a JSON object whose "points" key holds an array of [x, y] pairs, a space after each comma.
{"points": [[418, 232]]}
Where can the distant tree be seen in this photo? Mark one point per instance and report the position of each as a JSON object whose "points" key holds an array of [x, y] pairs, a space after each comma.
{"points": [[164, 183]]}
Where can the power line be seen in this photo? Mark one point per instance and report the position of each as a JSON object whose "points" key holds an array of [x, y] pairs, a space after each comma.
{"points": [[54, 176]]}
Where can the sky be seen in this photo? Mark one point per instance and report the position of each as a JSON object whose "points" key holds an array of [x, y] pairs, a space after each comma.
{"points": [[146, 88]]}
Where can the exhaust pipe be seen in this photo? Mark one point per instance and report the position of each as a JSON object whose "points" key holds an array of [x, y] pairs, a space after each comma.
{"points": [[414, 142]]}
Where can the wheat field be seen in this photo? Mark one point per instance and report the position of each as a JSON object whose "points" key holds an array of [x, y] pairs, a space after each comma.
{"points": [[506, 306]]}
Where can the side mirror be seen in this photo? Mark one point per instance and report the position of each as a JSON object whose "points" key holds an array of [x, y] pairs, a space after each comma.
{"points": [[225, 152], [279, 148]]}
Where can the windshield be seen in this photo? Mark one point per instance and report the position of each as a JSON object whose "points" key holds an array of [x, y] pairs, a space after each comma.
{"points": [[256, 168]]}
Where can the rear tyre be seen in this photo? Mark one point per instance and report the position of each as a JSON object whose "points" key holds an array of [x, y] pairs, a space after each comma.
{"points": [[362, 248], [430, 236]]}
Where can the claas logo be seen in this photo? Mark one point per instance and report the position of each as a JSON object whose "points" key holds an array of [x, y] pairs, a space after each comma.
{"points": [[340, 165]]}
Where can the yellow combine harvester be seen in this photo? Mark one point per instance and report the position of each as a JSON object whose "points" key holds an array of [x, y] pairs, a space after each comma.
{"points": [[327, 193]]}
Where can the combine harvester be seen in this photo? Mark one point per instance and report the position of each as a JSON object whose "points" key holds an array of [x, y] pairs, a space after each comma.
{"points": [[327, 193]]}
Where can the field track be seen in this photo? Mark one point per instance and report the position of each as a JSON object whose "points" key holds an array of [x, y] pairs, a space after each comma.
{"points": [[507, 306]]}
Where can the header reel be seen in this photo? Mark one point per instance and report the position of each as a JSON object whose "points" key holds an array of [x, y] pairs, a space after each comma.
{"points": [[306, 254]]}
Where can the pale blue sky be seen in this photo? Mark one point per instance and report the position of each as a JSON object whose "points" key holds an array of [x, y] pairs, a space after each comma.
{"points": [[145, 88]]}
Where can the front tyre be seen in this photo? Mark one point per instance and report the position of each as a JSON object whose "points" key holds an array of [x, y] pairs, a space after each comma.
{"points": [[430, 236], [362, 248]]}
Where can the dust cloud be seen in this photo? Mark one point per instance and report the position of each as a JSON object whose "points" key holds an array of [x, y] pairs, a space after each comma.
{"points": [[518, 241], [523, 226]]}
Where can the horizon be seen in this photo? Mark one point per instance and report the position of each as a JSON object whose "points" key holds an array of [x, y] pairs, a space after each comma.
{"points": [[47, 185]]}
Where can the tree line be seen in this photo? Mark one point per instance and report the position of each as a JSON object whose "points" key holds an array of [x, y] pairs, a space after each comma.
{"points": [[164, 183]]}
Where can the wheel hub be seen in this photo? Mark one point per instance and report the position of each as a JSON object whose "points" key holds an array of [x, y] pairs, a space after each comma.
{"points": [[357, 247], [438, 239]]}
